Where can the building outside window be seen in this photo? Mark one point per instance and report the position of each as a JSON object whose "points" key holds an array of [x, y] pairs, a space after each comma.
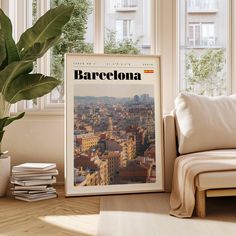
{"points": [[203, 47], [202, 5], [130, 28], [125, 3]]}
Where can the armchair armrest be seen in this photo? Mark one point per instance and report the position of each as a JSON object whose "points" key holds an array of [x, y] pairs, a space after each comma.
{"points": [[170, 149]]}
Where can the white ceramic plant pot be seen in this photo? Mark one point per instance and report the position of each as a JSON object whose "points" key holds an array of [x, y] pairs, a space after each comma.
{"points": [[5, 169]]}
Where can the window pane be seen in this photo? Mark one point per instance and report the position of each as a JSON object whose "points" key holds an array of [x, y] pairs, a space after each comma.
{"points": [[19, 25], [32, 12], [31, 18], [13, 16], [203, 46], [127, 26], [77, 37], [31, 104]]}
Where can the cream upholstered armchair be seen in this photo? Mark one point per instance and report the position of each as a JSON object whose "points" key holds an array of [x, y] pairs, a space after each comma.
{"points": [[202, 127]]}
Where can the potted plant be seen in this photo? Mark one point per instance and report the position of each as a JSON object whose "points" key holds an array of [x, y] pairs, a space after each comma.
{"points": [[17, 82]]}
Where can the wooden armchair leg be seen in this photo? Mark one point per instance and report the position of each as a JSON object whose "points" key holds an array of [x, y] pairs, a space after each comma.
{"points": [[200, 203]]}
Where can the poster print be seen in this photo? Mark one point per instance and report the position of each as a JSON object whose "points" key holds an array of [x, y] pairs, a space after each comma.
{"points": [[113, 124]]}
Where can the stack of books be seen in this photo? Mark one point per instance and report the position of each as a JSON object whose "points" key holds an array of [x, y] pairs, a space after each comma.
{"points": [[33, 181]]}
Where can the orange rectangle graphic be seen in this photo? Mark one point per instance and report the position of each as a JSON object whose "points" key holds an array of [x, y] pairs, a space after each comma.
{"points": [[148, 71]]}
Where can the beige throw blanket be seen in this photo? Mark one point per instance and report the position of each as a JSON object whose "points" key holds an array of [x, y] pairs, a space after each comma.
{"points": [[187, 168]]}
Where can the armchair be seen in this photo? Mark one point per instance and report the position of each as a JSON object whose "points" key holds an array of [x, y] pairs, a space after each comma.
{"points": [[192, 133]]}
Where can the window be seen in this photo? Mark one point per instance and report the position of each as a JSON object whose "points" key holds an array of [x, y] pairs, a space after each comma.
{"points": [[78, 37], [208, 34], [212, 19], [201, 35], [110, 26], [124, 29], [194, 33], [31, 18], [204, 48]]}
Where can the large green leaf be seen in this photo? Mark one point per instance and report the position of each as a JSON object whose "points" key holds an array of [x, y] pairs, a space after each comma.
{"points": [[7, 41], [1, 136], [8, 120], [3, 53], [3, 122], [47, 27], [13, 118], [12, 72], [39, 49], [28, 87]]}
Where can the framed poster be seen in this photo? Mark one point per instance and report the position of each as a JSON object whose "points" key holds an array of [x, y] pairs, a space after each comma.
{"points": [[113, 124]]}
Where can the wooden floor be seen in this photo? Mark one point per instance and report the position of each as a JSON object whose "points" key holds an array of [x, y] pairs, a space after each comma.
{"points": [[120, 215], [62, 216]]}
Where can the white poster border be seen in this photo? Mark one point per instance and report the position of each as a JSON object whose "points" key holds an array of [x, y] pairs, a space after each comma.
{"points": [[147, 60]]}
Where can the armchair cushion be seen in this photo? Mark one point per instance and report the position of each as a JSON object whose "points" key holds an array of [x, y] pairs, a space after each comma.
{"points": [[216, 180], [205, 123]]}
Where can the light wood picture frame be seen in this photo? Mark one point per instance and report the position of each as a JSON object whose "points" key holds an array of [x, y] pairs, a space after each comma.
{"points": [[113, 124]]}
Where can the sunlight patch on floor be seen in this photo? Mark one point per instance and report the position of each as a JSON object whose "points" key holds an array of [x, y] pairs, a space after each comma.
{"points": [[86, 224], [116, 223]]}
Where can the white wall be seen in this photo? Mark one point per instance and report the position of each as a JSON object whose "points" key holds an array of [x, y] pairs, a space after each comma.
{"points": [[36, 139]]}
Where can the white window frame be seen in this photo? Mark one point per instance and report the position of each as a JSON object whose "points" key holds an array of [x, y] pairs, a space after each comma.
{"points": [[43, 5]]}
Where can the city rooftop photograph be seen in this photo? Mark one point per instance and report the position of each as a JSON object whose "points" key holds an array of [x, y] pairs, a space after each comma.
{"points": [[114, 134]]}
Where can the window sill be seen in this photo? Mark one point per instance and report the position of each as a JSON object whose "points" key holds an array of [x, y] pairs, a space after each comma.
{"points": [[203, 47], [126, 9], [202, 11], [58, 112]]}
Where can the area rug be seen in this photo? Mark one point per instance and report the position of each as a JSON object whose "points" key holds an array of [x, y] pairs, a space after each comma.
{"points": [[148, 215]]}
